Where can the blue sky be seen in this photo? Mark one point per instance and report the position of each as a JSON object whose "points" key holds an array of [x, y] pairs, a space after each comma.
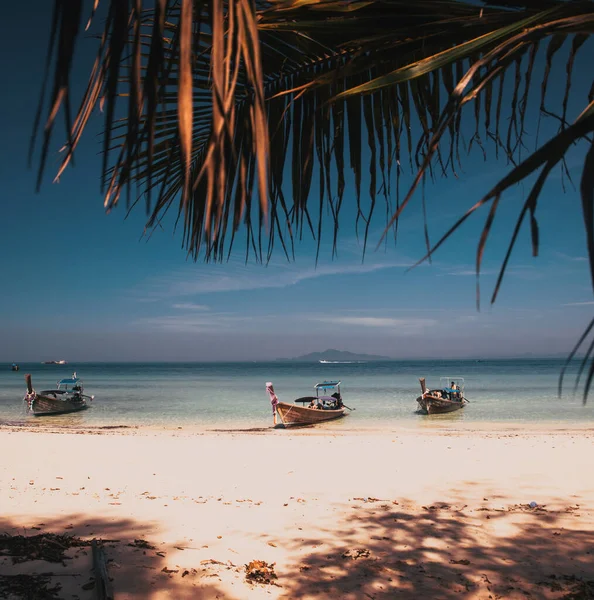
{"points": [[82, 285]]}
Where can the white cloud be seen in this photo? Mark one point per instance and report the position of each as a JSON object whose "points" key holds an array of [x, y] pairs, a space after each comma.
{"points": [[190, 306], [521, 271], [384, 322], [467, 319], [189, 323], [570, 258], [588, 303], [208, 279], [236, 322]]}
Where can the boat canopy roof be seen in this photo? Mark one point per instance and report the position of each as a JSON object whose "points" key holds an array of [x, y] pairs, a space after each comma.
{"points": [[69, 381], [326, 385]]}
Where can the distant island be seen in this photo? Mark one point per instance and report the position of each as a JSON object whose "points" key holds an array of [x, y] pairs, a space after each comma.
{"points": [[335, 355]]}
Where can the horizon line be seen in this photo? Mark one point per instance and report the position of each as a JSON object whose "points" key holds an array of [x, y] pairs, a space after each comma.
{"points": [[298, 359]]}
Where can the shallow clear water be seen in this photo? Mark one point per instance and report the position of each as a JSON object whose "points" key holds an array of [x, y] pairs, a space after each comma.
{"points": [[232, 395]]}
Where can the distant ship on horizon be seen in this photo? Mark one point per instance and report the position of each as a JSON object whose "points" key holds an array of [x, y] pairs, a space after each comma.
{"points": [[54, 362], [341, 362]]}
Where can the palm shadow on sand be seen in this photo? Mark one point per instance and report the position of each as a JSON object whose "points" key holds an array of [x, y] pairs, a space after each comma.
{"points": [[440, 551], [55, 561], [383, 549]]}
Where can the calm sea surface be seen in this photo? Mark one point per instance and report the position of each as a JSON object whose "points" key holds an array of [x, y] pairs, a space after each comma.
{"points": [[232, 395]]}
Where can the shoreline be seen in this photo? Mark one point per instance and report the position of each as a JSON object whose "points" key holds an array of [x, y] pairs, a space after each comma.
{"points": [[425, 428]]}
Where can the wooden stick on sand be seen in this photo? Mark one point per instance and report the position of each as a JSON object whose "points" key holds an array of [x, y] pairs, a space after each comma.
{"points": [[102, 583]]}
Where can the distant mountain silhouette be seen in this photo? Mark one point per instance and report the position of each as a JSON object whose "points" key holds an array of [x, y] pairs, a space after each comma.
{"points": [[339, 355]]}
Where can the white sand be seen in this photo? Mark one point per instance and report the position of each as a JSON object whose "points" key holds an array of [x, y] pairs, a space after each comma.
{"points": [[354, 515]]}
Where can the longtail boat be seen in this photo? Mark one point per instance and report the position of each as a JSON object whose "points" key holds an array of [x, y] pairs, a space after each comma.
{"points": [[447, 398], [319, 408], [68, 397]]}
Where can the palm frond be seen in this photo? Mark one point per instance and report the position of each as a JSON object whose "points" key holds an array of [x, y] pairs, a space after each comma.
{"points": [[226, 97]]}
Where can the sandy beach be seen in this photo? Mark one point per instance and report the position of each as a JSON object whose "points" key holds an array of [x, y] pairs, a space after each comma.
{"points": [[400, 514]]}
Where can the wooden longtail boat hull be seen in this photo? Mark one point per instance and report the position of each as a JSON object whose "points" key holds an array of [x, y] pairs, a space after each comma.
{"points": [[58, 401], [292, 415], [43, 405], [434, 406]]}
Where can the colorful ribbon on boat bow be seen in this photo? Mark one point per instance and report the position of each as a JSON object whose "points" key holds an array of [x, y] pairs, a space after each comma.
{"points": [[273, 398], [30, 398]]}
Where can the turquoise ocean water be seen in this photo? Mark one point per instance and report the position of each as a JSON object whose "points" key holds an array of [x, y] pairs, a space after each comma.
{"points": [[233, 396]]}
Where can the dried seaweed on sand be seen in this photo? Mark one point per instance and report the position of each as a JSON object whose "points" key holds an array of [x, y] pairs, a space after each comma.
{"points": [[258, 571]]}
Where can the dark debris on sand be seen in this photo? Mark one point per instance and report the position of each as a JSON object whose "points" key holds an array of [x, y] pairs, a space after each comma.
{"points": [[142, 544], [31, 587], [45, 546]]}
